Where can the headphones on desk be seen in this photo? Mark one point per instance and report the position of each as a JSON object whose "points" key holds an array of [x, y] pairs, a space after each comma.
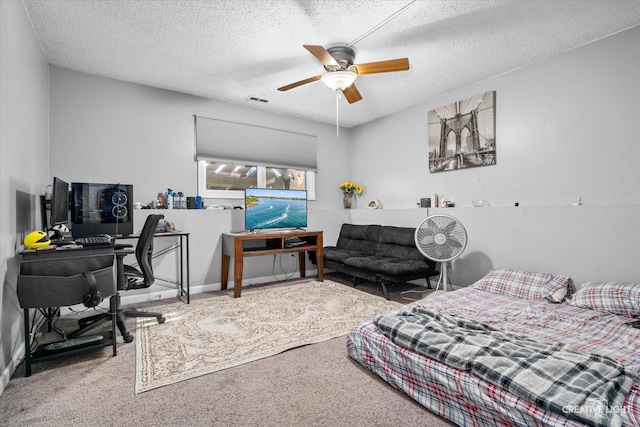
{"points": [[93, 297]]}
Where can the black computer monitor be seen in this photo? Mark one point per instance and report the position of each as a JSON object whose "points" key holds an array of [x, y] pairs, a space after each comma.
{"points": [[59, 202], [101, 209]]}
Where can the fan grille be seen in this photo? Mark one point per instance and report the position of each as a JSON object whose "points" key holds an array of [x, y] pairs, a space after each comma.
{"points": [[441, 238]]}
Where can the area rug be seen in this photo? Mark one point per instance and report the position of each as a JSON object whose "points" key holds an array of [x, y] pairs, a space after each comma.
{"points": [[220, 332]]}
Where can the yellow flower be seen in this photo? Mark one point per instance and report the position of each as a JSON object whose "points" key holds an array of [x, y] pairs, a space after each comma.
{"points": [[351, 188]]}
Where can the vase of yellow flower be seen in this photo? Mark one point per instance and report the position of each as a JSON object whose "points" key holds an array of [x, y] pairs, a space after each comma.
{"points": [[346, 200], [348, 190]]}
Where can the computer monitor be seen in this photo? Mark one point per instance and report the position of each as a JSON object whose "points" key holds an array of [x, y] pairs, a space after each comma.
{"points": [[101, 209], [59, 202]]}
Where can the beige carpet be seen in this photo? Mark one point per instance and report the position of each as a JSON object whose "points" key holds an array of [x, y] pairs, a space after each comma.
{"points": [[220, 332]]}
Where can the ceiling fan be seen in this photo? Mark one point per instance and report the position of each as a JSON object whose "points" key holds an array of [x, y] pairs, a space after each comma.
{"points": [[341, 72]]}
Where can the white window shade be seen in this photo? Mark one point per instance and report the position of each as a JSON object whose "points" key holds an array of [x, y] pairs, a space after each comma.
{"points": [[247, 144]]}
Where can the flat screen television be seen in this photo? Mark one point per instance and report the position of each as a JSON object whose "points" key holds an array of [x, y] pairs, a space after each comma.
{"points": [[59, 202], [101, 209], [266, 208]]}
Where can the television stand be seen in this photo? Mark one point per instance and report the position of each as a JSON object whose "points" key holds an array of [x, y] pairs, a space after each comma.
{"points": [[241, 245]]}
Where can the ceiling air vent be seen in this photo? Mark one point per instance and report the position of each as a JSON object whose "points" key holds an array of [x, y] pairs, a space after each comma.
{"points": [[255, 99]]}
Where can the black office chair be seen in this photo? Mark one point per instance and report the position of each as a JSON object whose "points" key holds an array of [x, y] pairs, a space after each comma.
{"points": [[129, 277]]}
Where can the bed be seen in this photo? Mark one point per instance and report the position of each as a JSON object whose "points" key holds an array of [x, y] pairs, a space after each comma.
{"points": [[533, 307]]}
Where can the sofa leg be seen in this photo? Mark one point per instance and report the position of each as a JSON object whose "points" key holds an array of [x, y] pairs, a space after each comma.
{"points": [[385, 291], [429, 283], [354, 281]]}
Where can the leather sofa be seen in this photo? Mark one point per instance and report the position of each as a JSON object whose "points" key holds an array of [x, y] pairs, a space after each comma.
{"points": [[381, 254]]}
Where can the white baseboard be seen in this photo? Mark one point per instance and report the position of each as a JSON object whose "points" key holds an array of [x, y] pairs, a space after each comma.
{"points": [[11, 367], [127, 298], [172, 293]]}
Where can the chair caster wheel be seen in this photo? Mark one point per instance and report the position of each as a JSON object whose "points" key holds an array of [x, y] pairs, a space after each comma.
{"points": [[161, 320]]}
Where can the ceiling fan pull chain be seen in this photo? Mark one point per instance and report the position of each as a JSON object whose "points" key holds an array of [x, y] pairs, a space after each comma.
{"points": [[337, 116]]}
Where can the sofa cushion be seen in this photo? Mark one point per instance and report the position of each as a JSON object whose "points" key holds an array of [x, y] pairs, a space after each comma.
{"points": [[398, 242], [361, 238], [332, 253], [360, 273], [389, 265]]}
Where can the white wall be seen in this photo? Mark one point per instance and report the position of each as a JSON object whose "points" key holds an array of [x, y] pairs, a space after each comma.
{"points": [[586, 243], [24, 119], [205, 251], [105, 130], [566, 129]]}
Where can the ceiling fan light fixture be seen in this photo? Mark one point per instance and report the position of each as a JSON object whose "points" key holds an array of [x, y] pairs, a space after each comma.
{"points": [[339, 79]]}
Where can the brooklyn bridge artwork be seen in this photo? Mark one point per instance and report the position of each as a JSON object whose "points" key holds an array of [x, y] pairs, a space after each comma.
{"points": [[462, 134]]}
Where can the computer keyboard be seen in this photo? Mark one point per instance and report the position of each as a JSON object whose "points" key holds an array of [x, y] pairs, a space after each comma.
{"points": [[93, 240]]}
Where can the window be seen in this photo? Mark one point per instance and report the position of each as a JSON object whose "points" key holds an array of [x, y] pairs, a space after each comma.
{"points": [[229, 177], [287, 179], [228, 180], [234, 156]]}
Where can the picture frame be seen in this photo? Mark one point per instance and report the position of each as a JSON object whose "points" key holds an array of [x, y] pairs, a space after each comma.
{"points": [[462, 134]]}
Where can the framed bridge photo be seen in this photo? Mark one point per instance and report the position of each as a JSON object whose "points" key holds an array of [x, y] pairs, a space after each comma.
{"points": [[462, 134]]}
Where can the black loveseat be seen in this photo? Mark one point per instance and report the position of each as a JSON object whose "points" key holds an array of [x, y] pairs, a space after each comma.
{"points": [[381, 254]]}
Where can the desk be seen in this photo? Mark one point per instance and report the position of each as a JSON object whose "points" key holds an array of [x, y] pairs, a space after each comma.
{"points": [[55, 278], [241, 245], [183, 245]]}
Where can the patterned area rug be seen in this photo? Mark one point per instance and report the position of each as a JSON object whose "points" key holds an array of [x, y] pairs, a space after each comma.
{"points": [[216, 333]]}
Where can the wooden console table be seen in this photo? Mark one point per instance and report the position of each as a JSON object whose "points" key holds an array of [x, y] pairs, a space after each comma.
{"points": [[241, 245]]}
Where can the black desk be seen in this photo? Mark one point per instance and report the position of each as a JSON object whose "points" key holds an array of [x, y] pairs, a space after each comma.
{"points": [[55, 278], [183, 245]]}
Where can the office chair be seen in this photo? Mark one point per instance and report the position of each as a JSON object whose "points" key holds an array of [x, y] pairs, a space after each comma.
{"points": [[129, 277]]}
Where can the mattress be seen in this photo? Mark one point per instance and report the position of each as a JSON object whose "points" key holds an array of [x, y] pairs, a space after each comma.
{"points": [[470, 401]]}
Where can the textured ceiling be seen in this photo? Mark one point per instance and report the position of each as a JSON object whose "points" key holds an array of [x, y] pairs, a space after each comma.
{"points": [[232, 50]]}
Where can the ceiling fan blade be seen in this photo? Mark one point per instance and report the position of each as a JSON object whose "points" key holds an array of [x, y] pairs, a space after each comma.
{"points": [[352, 94], [300, 83], [322, 54], [401, 64]]}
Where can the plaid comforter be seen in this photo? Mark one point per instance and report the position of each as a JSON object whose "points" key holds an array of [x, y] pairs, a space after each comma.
{"points": [[556, 377]]}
